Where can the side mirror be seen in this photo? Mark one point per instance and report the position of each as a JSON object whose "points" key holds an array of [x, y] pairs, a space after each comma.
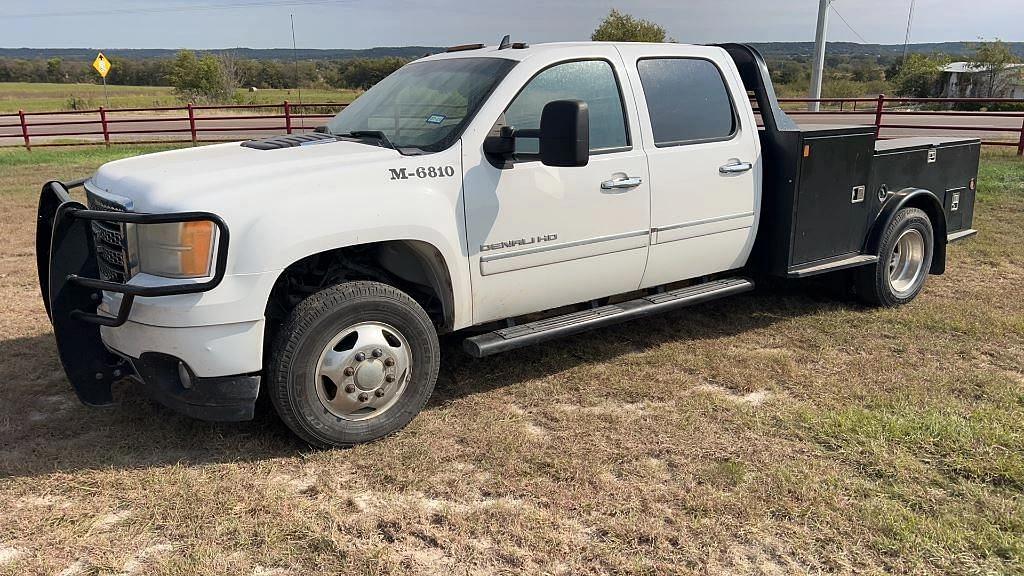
{"points": [[565, 133], [564, 136]]}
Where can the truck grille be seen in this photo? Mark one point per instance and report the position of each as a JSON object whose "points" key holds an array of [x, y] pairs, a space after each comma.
{"points": [[110, 241]]}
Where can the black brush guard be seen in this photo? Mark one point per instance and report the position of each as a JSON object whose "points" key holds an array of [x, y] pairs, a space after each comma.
{"points": [[72, 291]]}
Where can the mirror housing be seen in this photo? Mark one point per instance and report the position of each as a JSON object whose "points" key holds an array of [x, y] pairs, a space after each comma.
{"points": [[564, 136], [565, 133]]}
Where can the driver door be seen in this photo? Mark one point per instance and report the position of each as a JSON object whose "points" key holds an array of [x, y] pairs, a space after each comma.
{"points": [[541, 237]]}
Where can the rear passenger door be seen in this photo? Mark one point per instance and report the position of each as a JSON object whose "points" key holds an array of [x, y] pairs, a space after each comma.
{"points": [[703, 154]]}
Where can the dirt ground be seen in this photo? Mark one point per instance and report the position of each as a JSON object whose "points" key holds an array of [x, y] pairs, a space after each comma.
{"points": [[787, 431]]}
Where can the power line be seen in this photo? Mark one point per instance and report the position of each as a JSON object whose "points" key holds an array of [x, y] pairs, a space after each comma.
{"points": [[906, 39], [166, 9], [833, 6]]}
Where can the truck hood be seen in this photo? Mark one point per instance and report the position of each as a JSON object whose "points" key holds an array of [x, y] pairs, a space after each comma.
{"points": [[199, 178]]}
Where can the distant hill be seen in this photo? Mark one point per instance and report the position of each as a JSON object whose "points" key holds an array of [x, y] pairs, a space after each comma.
{"points": [[806, 49], [408, 52], [799, 50]]}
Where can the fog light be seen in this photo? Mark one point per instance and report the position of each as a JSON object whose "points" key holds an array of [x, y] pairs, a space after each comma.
{"points": [[184, 375]]}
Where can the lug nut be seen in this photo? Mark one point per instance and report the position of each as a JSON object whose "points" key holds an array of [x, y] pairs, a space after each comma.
{"points": [[364, 397], [350, 389], [377, 352], [360, 356], [390, 378], [379, 392], [350, 371], [389, 362]]}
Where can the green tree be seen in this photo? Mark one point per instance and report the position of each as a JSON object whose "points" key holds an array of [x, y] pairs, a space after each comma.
{"points": [[919, 75], [619, 27], [363, 73], [789, 72], [200, 79], [992, 58], [55, 70]]}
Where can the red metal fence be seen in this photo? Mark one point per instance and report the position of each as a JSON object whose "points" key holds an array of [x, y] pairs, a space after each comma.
{"points": [[184, 124], [892, 117], [895, 117]]}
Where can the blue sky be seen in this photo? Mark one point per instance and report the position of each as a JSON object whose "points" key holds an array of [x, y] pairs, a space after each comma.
{"points": [[366, 23]]}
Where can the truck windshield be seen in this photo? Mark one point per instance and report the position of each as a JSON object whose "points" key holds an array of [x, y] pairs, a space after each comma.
{"points": [[422, 106]]}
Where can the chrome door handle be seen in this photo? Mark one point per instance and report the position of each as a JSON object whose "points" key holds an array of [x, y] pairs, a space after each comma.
{"points": [[735, 168], [620, 183]]}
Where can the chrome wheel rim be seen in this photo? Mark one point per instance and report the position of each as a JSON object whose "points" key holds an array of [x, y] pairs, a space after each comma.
{"points": [[906, 264], [363, 371]]}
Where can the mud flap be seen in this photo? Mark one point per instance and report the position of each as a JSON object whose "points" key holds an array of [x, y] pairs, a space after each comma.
{"points": [[67, 250]]}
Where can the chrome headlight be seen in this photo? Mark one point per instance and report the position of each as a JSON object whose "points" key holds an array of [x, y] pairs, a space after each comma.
{"points": [[173, 250]]}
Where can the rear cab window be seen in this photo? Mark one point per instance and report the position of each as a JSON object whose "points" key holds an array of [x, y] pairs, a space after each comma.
{"points": [[688, 101]]}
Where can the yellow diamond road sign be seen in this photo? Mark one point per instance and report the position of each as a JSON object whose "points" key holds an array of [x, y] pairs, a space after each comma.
{"points": [[101, 64]]}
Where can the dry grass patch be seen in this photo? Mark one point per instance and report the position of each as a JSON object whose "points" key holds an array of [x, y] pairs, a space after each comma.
{"points": [[781, 432]]}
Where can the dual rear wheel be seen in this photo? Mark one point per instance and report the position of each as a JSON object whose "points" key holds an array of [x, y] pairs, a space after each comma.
{"points": [[904, 260]]}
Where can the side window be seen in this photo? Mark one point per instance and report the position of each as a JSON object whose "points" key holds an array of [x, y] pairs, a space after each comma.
{"points": [[592, 81], [687, 99]]}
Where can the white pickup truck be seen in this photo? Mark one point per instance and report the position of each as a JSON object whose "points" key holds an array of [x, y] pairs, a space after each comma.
{"points": [[580, 184]]}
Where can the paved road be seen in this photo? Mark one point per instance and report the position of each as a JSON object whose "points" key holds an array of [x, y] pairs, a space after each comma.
{"points": [[175, 125], [1003, 121]]}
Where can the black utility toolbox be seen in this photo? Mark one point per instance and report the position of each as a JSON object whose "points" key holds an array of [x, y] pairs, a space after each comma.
{"points": [[945, 166], [814, 198], [825, 186]]}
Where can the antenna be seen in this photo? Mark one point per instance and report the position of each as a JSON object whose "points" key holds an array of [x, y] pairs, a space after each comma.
{"points": [[906, 39], [506, 42], [298, 85]]}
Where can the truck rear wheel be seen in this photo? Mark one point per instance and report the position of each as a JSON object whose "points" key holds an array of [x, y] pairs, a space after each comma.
{"points": [[904, 259], [353, 363]]}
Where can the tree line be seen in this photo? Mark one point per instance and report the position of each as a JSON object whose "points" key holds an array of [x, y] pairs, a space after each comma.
{"points": [[208, 76], [215, 78]]}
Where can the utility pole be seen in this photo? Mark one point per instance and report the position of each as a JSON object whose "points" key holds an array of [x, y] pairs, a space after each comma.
{"points": [[819, 55], [298, 81]]}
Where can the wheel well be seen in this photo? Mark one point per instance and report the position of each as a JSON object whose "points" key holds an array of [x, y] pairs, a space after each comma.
{"points": [[930, 206], [415, 267]]}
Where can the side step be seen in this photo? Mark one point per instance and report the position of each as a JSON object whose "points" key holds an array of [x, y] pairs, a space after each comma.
{"points": [[576, 322]]}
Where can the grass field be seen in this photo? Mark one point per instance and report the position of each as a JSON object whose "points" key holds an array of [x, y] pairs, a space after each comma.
{"points": [[41, 97], [780, 432]]}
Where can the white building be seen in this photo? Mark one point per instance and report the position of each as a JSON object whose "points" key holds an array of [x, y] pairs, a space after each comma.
{"points": [[963, 80]]}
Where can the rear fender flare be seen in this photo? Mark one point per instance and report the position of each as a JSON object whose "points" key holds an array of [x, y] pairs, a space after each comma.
{"points": [[912, 198]]}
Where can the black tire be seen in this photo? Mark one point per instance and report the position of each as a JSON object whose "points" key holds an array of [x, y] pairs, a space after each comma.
{"points": [[306, 334], [874, 285]]}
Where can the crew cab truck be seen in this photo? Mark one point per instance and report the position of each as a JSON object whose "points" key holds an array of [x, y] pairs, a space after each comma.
{"points": [[575, 184]]}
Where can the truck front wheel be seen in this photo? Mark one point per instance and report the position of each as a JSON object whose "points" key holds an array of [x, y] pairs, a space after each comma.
{"points": [[904, 259], [353, 363]]}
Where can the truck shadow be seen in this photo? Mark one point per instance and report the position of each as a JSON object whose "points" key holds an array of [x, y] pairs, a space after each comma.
{"points": [[44, 429]]}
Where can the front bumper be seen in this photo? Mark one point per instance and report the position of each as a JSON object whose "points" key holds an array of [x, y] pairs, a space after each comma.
{"points": [[220, 399], [66, 259]]}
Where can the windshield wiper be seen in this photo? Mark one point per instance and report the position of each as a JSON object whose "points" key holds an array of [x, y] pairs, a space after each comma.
{"points": [[377, 135]]}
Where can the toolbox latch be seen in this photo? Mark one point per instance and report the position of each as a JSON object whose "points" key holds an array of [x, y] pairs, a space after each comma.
{"points": [[858, 194]]}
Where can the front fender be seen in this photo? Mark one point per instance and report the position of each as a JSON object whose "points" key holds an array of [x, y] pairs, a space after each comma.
{"points": [[911, 198]]}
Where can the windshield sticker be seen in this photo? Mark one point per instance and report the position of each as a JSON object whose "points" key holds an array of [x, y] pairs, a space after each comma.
{"points": [[436, 118]]}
